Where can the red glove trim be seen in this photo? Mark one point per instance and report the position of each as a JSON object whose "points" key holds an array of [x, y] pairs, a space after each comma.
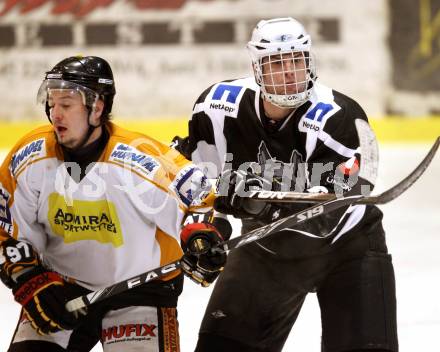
{"points": [[31, 287], [189, 230]]}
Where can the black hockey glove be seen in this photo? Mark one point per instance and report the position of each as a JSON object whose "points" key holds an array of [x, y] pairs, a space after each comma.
{"points": [[233, 187], [40, 292], [199, 263], [182, 146], [43, 296]]}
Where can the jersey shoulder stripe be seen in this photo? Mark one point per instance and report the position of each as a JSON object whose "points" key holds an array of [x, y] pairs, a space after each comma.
{"points": [[36, 145], [159, 164], [218, 103], [330, 120], [323, 106], [223, 98], [138, 149]]}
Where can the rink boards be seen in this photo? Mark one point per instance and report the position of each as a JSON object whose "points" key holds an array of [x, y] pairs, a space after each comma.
{"points": [[390, 129]]}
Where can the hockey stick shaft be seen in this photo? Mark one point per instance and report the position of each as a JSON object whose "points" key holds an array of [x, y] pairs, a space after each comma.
{"points": [[99, 295], [287, 222], [254, 235], [257, 234], [382, 198], [331, 205]]}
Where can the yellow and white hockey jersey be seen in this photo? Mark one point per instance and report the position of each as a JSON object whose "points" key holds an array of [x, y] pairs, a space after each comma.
{"points": [[123, 218]]}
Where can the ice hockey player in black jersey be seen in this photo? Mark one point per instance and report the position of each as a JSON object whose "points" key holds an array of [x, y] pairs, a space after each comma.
{"points": [[282, 125]]}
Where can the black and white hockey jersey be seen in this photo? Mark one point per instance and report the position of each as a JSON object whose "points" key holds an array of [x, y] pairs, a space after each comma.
{"points": [[228, 125]]}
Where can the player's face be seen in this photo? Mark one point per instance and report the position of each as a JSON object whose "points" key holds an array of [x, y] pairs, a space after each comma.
{"points": [[285, 74], [69, 116]]}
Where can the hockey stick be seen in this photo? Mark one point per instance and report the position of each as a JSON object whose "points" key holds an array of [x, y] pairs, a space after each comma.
{"points": [[254, 235], [99, 295], [382, 198]]}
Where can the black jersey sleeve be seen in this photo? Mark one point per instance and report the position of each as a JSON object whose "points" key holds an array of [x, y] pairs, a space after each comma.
{"points": [[336, 161], [187, 145], [200, 144], [200, 131]]}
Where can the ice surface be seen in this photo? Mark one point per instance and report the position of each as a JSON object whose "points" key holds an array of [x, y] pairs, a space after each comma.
{"points": [[412, 223]]}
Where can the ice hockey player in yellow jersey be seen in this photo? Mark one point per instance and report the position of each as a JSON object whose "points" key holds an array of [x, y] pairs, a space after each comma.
{"points": [[85, 204]]}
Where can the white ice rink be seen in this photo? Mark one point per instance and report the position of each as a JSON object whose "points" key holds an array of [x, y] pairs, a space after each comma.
{"points": [[412, 223]]}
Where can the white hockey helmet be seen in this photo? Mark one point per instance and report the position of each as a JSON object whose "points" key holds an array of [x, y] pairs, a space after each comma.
{"points": [[283, 65]]}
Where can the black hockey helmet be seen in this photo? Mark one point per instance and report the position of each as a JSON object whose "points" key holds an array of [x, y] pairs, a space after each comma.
{"points": [[90, 72]]}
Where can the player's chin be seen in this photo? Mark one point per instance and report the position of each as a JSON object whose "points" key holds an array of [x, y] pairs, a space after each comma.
{"points": [[67, 142]]}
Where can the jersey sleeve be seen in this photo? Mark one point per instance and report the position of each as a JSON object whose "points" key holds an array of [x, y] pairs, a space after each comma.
{"points": [[7, 186], [335, 164], [337, 159], [201, 144], [19, 206], [179, 187]]}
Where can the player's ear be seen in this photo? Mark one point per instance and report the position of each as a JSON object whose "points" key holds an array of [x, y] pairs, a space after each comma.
{"points": [[98, 108]]}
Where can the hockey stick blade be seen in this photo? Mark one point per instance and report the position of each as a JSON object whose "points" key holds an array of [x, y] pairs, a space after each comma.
{"points": [[382, 198]]}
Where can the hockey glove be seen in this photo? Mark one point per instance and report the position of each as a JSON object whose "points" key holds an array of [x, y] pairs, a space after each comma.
{"points": [[233, 188], [199, 263], [40, 292], [182, 146]]}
